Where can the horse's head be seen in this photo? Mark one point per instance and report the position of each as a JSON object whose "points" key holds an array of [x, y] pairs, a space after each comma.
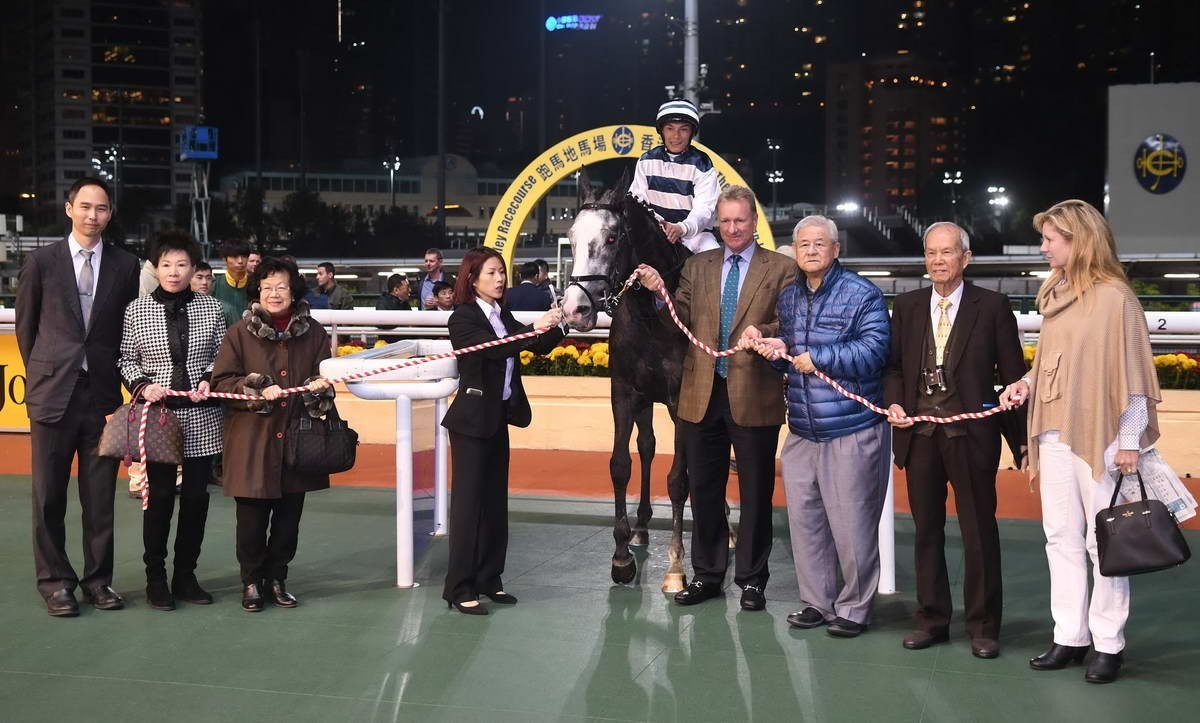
{"points": [[597, 242]]}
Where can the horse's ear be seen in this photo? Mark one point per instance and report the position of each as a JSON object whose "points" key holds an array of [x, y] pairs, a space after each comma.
{"points": [[623, 182], [585, 188]]}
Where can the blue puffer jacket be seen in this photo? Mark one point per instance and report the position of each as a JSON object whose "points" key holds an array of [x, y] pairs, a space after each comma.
{"points": [[844, 326]]}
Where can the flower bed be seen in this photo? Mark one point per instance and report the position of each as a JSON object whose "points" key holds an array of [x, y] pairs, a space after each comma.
{"points": [[569, 359], [1175, 371]]}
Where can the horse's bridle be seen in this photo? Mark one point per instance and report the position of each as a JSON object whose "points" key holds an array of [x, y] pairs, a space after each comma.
{"points": [[608, 299]]}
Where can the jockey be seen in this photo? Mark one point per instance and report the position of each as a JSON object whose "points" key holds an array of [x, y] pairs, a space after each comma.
{"points": [[678, 180]]}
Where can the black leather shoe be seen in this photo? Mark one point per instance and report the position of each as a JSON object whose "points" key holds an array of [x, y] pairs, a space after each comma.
{"points": [[1104, 667], [921, 639], [753, 598], [475, 609], [103, 597], [502, 598], [806, 619], [61, 604], [159, 596], [188, 590], [843, 628], [252, 599], [697, 592], [280, 596], [986, 648], [1057, 657]]}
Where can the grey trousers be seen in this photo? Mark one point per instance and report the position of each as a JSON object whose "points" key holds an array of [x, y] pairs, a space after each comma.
{"points": [[835, 492]]}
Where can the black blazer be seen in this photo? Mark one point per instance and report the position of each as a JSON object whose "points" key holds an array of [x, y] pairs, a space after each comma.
{"points": [[478, 406], [984, 340], [527, 296], [50, 329]]}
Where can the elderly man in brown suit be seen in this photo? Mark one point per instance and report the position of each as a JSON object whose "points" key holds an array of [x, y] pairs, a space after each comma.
{"points": [[727, 296]]}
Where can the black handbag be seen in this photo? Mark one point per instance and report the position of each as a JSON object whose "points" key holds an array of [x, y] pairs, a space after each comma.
{"points": [[1138, 537], [320, 446]]}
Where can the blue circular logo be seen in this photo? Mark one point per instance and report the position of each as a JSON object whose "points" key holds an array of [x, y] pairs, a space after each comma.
{"points": [[551, 23], [1159, 163], [622, 141]]}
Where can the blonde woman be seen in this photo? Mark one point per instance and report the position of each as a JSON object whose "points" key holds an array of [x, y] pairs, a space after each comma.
{"points": [[1092, 394]]}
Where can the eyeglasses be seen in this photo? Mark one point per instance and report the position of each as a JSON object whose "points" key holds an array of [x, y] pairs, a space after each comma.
{"points": [[268, 290]]}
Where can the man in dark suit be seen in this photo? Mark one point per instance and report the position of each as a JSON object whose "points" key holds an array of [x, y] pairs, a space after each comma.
{"points": [[70, 307], [950, 345], [736, 400], [527, 295]]}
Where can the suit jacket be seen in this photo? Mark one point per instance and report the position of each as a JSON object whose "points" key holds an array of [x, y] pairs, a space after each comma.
{"points": [[51, 332], [983, 341], [527, 296], [478, 406], [755, 388]]}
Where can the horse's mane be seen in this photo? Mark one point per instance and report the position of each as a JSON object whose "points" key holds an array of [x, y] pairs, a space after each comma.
{"points": [[655, 249]]}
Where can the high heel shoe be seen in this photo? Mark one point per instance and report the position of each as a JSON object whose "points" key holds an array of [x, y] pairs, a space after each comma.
{"points": [[501, 597], [1104, 667], [1057, 657], [475, 609]]}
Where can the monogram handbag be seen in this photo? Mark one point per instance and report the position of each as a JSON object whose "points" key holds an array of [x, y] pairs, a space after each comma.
{"points": [[1138, 537], [164, 435], [320, 446]]}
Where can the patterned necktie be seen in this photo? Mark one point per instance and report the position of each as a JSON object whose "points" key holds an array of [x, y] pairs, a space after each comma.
{"points": [[87, 279], [942, 334], [729, 299]]}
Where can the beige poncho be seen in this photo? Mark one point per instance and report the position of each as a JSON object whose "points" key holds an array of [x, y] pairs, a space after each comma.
{"points": [[1092, 355]]}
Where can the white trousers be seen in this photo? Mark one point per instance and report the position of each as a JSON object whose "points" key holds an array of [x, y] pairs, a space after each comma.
{"points": [[703, 241], [1071, 497]]}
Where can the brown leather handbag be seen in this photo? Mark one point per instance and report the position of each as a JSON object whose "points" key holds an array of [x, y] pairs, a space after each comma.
{"points": [[164, 435]]}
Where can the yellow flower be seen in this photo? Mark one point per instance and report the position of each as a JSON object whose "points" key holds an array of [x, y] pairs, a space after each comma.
{"points": [[1190, 364], [561, 351], [600, 359], [526, 357], [380, 343], [600, 346], [585, 360]]}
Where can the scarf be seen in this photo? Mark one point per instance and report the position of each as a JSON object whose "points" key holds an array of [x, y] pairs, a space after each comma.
{"points": [[175, 309], [261, 324], [1092, 355]]}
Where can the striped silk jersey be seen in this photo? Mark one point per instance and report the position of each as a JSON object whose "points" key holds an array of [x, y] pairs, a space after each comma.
{"points": [[681, 188]]}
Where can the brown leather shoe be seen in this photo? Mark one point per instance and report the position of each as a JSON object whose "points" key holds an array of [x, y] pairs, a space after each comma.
{"points": [[921, 639], [985, 648], [103, 597], [61, 604]]}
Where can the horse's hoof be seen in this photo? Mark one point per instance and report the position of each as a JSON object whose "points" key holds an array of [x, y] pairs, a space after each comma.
{"points": [[674, 582], [640, 538], [623, 572]]}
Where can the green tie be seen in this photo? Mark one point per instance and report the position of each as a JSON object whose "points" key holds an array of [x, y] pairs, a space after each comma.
{"points": [[729, 299]]}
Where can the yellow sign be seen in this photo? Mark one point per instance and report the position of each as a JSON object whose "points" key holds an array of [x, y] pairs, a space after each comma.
{"points": [[568, 156], [13, 416]]}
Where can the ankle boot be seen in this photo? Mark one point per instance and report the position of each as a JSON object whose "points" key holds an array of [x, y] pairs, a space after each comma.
{"points": [[159, 595], [1057, 657], [1104, 668], [187, 589]]}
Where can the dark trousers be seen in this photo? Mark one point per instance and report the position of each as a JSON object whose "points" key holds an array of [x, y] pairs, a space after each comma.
{"points": [[193, 514], [707, 444], [264, 557], [972, 472], [478, 516], [54, 446]]}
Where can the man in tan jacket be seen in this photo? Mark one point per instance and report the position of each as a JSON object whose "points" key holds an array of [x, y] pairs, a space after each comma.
{"points": [[727, 297]]}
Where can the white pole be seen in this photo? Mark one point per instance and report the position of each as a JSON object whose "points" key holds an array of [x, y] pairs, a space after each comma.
{"points": [[404, 493], [441, 453], [887, 531]]}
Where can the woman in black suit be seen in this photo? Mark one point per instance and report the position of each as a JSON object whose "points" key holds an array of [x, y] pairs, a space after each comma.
{"points": [[490, 397]]}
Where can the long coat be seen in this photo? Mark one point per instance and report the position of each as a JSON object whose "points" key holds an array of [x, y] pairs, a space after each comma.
{"points": [[254, 440]]}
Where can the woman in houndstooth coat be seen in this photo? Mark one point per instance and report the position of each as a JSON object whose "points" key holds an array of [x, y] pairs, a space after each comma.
{"points": [[170, 341]]}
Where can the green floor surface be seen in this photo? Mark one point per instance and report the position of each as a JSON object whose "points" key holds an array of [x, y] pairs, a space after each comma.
{"points": [[576, 647]]}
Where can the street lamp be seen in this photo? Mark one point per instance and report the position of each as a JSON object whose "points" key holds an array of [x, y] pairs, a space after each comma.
{"points": [[774, 176], [999, 201], [392, 166], [111, 155], [952, 180]]}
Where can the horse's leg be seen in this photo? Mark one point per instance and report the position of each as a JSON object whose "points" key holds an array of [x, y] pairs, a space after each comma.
{"points": [[645, 447], [677, 487], [624, 567]]}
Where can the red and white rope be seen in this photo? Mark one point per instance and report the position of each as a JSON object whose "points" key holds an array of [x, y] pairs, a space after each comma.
{"points": [[347, 378], [662, 292]]}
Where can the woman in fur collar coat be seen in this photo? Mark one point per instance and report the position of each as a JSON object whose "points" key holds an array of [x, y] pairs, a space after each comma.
{"points": [[275, 345]]}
